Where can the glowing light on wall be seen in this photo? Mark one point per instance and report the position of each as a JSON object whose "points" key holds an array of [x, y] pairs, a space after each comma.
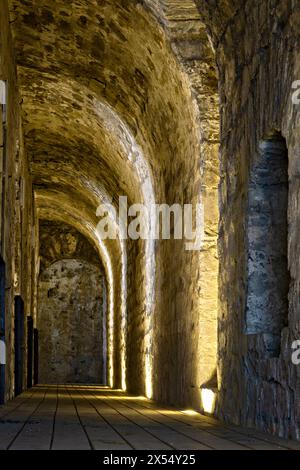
{"points": [[110, 336], [208, 398], [124, 317], [135, 155], [148, 377], [111, 211], [47, 206]]}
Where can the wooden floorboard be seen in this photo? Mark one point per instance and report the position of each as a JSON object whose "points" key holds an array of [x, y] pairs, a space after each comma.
{"points": [[101, 434], [12, 423], [16, 403], [74, 417], [158, 428], [37, 432], [185, 435], [136, 436], [218, 436], [234, 434], [68, 433]]}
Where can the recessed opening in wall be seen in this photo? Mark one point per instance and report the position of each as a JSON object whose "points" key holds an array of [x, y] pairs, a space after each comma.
{"points": [[267, 231], [19, 344], [29, 351], [70, 323], [2, 332], [70, 341]]}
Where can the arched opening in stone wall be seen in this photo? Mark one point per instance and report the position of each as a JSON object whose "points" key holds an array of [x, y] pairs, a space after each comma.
{"points": [[19, 344], [2, 332], [30, 351], [144, 125], [71, 316], [268, 276]]}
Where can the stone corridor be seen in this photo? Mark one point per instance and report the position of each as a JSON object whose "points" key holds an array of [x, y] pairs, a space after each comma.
{"points": [[149, 224], [97, 418]]}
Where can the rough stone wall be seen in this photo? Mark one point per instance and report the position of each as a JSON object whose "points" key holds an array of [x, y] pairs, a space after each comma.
{"points": [[18, 224], [70, 308], [258, 60], [136, 316], [186, 312], [59, 240]]}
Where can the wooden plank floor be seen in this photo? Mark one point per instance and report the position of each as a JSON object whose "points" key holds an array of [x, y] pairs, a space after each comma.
{"points": [[92, 417]]}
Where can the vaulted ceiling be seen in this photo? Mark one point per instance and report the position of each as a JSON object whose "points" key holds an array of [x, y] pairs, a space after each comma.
{"points": [[104, 98]]}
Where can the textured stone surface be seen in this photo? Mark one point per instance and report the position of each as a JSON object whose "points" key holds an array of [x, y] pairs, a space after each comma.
{"points": [[59, 241], [267, 230], [18, 223], [70, 323], [71, 307], [121, 98], [258, 60], [186, 319], [159, 81]]}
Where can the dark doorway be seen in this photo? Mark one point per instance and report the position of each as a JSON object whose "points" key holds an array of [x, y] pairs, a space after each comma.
{"points": [[2, 331], [36, 356], [29, 351], [19, 344]]}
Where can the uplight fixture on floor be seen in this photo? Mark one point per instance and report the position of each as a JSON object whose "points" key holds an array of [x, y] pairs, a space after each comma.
{"points": [[208, 398]]}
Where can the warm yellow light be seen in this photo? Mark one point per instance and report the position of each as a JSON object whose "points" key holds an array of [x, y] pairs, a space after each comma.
{"points": [[119, 397], [190, 412], [135, 398], [124, 387], [208, 398], [148, 377], [110, 327], [123, 313]]}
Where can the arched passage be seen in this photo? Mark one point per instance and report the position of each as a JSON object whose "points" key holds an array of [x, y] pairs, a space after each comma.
{"points": [[110, 98], [107, 127], [71, 308]]}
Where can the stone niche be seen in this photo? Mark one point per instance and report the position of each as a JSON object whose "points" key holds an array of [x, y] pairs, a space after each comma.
{"points": [[71, 308], [268, 275]]}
